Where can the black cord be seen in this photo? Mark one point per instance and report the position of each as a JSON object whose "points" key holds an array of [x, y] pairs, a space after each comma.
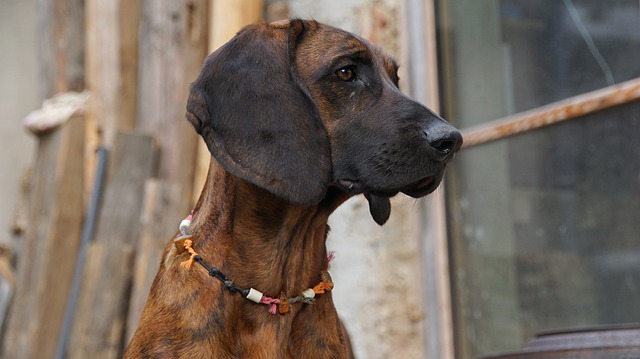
{"points": [[216, 273]]}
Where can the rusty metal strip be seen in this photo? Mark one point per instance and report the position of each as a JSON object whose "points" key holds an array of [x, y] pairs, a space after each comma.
{"points": [[564, 110]]}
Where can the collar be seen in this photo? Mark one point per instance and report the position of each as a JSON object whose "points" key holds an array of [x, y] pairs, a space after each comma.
{"points": [[281, 304]]}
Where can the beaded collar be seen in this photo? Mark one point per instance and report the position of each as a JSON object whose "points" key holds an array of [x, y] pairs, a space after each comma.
{"points": [[276, 305]]}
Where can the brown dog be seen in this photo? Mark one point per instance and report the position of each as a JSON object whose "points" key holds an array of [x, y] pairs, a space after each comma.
{"points": [[299, 116]]}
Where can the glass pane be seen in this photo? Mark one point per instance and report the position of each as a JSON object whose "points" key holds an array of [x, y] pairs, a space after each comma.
{"points": [[505, 56], [545, 231], [544, 227]]}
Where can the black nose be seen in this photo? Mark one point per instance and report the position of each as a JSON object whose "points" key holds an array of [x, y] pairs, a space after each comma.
{"points": [[445, 140]]}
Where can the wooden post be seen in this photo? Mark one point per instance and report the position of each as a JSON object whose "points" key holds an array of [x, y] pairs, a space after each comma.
{"points": [[111, 73], [111, 64], [172, 48], [227, 18], [160, 219], [98, 330], [173, 45], [46, 259], [7, 283], [46, 256], [60, 46]]}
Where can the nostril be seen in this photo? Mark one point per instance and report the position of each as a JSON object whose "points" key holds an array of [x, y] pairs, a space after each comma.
{"points": [[444, 146], [445, 142]]}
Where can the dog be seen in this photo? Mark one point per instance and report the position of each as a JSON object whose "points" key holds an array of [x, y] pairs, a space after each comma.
{"points": [[299, 117]]}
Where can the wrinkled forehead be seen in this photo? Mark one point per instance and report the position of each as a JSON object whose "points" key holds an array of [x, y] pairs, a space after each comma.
{"points": [[324, 45]]}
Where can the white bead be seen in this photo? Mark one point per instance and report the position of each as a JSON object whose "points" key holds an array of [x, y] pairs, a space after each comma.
{"points": [[184, 226], [309, 293], [254, 295]]}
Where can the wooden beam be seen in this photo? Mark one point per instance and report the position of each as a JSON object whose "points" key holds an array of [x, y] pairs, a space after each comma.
{"points": [[98, 330], [160, 219], [173, 44], [227, 18], [46, 259], [111, 65], [111, 73], [60, 46], [7, 283], [55, 206], [569, 109]]}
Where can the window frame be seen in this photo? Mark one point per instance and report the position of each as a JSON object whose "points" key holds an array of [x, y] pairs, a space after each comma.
{"points": [[425, 87]]}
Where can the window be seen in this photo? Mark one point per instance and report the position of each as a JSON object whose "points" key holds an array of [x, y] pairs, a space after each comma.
{"points": [[544, 227]]}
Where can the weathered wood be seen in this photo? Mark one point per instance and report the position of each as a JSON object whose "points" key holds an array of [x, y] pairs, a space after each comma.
{"points": [[111, 73], [98, 330], [173, 44], [277, 10], [227, 18], [60, 46], [19, 226], [157, 229], [111, 67], [564, 110], [7, 283], [46, 258], [55, 210]]}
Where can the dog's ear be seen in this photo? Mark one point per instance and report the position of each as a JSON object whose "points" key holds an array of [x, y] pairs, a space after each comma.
{"points": [[258, 119]]}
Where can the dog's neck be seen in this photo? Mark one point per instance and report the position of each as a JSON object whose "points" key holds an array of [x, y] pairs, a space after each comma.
{"points": [[258, 239]]}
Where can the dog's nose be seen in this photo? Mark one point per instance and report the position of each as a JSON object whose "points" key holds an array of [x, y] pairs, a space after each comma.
{"points": [[445, 140]]}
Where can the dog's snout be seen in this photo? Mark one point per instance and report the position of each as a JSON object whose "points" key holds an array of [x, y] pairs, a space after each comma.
{"points": [[445, 140]]}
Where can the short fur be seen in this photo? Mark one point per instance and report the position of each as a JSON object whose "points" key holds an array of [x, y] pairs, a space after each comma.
{"points": [[298, 117]]}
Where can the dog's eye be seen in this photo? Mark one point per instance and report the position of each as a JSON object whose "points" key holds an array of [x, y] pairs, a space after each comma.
{"points": [[347, 73]]}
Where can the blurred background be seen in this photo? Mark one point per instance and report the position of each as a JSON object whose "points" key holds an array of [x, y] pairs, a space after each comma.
{"points": [[534, 229]]}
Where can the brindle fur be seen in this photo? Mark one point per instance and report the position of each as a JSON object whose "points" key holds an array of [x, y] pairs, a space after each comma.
{"points": [[290, 141]]}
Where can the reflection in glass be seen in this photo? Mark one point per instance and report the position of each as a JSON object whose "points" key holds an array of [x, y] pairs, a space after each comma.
{"points": [[544, 227]]}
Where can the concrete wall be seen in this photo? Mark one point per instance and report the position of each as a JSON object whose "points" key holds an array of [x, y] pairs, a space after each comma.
{"points": [[18, 97], [376, 269]]}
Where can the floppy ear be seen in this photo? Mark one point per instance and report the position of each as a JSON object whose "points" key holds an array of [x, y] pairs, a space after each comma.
{"points": [[258, 119]]}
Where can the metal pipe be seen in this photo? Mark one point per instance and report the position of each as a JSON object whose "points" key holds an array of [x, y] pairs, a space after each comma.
{"points": [[565, 110], [87, 234]]}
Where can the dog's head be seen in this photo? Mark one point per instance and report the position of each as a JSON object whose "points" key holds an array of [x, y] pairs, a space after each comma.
{"points": [[295, 107]]}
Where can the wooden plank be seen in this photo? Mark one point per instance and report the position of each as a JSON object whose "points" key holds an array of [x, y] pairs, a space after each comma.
{"points": [[112, 52], [277, 10], [52, 228], [7, 286], [19, 225], [560, 111], [227, 18], [111, 73], [60, 46], [47, 257], [98, 330], [160, 220], [173, 44]]}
